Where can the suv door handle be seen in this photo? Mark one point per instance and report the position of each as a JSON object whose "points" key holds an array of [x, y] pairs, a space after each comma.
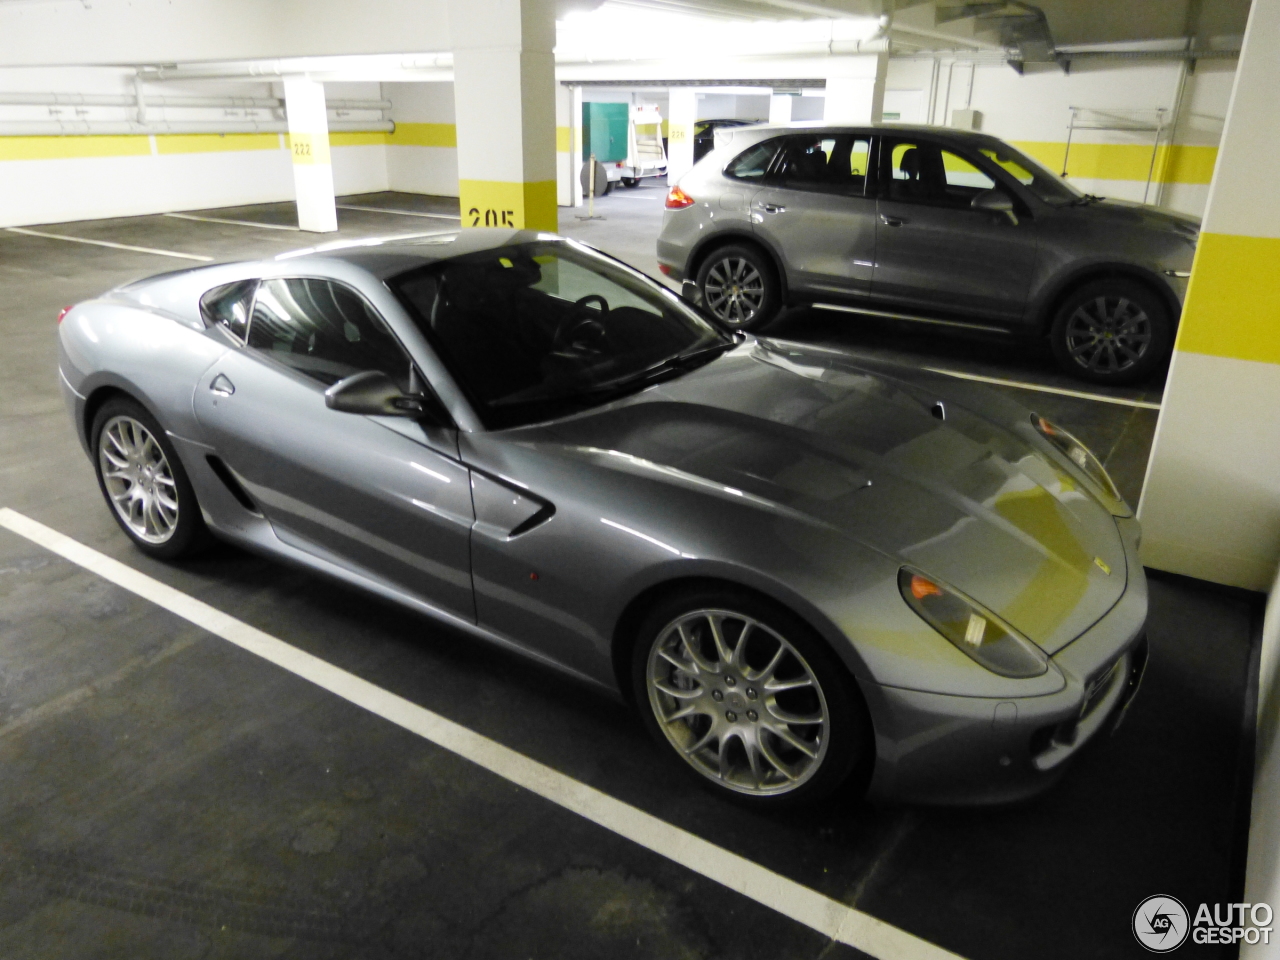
{"points": [[889, 221], [773, 208]]}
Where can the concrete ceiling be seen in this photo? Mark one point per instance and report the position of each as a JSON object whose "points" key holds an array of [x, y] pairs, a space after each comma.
{"points": [[1211, 23]]}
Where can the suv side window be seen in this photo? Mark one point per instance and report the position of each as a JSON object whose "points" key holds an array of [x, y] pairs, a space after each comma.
{"points": [[825, 163], [324, 330], [916, 172], [753, 163], [227, 307]]}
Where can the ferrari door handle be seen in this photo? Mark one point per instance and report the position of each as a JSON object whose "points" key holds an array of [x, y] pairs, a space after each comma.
{"points": [[222, 386], [889, 221]]}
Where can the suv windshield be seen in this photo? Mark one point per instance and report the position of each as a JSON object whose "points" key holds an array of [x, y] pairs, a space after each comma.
{"points": [[1032, 174], [539, 330]]}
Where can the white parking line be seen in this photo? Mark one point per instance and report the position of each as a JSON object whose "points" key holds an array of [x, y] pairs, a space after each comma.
{"points": [[403, 213], [234, 223], [800, 903], [1038, 388], [113, 246]]}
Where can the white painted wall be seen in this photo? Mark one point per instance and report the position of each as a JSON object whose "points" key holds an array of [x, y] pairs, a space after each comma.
{"points": [[1262, 875], [415, 168], [60, 186]]}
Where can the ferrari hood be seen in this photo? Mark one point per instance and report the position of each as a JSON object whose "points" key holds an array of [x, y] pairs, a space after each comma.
{"points": [[873, 455]]}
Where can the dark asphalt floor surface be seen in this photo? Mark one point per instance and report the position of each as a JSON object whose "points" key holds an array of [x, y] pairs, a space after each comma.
{"points": [[167, 795]]}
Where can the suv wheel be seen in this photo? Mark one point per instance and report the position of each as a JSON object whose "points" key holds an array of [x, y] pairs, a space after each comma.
{"points": [[740, 287], [1111, 331], [747, 698]]}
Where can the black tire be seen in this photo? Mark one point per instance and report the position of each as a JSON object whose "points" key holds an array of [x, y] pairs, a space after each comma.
{"points": [[186, 535], [842, 742], [740, 287], [631, 182], [1112, 331]]}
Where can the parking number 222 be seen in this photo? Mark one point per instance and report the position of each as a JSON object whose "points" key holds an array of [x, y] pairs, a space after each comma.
{"points": [[492, 218]]}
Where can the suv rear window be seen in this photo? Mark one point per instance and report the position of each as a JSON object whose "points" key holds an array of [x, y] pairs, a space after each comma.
{"points": [[753, 163]]}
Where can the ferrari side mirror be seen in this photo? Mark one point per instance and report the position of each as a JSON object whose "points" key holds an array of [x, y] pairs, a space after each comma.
{"points": [[372, 393]]}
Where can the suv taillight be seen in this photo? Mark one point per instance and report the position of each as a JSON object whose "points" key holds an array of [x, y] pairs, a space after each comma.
{"points": [[677, 199]]}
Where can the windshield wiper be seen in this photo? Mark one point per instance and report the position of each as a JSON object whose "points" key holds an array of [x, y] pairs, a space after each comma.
{"points": [[678, 364], [1087, 199]]}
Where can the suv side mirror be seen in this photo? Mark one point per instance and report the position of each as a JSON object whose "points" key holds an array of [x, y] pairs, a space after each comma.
{"points": [[995, 201], [372, 393]]}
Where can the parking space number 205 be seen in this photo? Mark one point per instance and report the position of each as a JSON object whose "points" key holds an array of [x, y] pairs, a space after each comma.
{"points": [[491, 218]]}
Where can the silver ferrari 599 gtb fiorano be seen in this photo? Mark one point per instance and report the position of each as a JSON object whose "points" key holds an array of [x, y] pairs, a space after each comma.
{"points": [[805, 569]]}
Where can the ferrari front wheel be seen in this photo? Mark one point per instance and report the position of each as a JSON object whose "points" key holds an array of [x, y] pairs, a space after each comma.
{"points": [[749, 699]]}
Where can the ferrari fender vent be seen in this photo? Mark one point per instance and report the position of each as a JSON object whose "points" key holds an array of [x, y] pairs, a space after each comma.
{"points": [[223, 473]]}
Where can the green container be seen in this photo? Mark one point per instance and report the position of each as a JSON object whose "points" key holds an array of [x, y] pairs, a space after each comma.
{"points": [[604, 131]]}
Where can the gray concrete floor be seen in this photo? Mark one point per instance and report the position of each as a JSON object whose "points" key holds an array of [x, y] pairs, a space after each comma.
{"points": [[168, 795]]}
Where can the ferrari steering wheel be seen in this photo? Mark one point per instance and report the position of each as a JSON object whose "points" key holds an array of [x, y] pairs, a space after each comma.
{"points": [[582, 332]]}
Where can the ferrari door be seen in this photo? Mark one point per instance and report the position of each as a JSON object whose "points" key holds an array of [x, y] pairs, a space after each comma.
{"points": [[384, 495]]}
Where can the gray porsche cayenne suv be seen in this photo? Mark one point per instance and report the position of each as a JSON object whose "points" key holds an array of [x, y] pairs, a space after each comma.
{"points": [[928, 224]]}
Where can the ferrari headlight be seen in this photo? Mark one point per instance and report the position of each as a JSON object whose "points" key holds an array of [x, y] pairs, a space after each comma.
{"points": [[1078, 454], [976, 632]]}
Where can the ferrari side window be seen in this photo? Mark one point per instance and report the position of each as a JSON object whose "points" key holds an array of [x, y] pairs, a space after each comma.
{"points": [[324, 330], [227, 307]]}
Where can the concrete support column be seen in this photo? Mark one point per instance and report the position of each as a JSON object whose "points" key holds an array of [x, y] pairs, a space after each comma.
{"points": [[855, 89], [780, 108], [682, 114], [1211, 503], [505, 101], [309, 144], [568, 145]]}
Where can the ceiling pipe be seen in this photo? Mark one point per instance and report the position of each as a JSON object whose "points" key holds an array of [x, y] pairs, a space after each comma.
{"points": [[296, 66], [63, 128], [124, 100]]}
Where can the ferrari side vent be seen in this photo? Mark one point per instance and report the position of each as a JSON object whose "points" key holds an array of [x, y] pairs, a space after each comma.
{"points": [[229, 481]]}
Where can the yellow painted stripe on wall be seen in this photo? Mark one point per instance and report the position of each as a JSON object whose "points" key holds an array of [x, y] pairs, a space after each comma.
{"points": [[215, 142], [498, 203], [62, 148], [564, 139], [369, 139], [424, 135], [1176, 163], [1233, 302]]}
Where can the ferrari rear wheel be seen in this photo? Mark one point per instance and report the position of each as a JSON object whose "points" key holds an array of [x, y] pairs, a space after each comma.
{"points": [[144, 483], [749, 699]]}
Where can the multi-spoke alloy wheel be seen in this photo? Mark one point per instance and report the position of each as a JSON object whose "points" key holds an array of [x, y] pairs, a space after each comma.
{"points": [[1111, 331], [138, 479], [739, 287], [144, 482], [738, 702], [1108, 334], [734, 291]]}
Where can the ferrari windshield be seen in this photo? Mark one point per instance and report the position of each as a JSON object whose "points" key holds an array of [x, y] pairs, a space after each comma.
{"points": [[538, 330]]}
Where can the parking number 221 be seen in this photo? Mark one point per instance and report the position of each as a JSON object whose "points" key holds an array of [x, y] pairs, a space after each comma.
{"points": [[492, 218]]}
